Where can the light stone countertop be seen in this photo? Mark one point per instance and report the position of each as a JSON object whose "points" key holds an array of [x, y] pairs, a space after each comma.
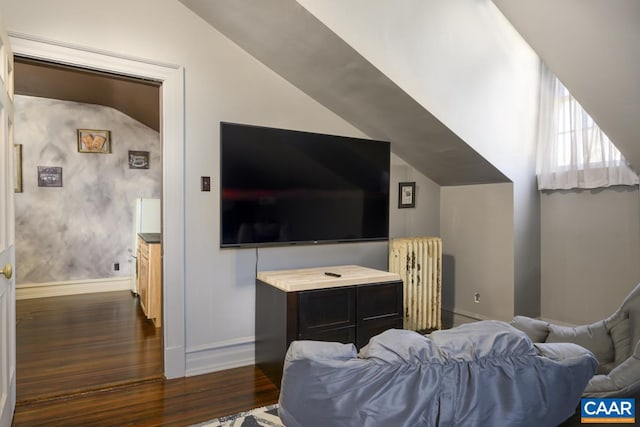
{"points": [[305, 279]]}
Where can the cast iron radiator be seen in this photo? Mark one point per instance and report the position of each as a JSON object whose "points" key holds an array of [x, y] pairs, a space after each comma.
{"points": [[418, 260]]}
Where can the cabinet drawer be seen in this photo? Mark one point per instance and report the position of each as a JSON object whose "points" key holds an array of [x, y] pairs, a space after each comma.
{"points": [[344, 335], [379, 308], [326, 309], [370, 328], [379, 301]]}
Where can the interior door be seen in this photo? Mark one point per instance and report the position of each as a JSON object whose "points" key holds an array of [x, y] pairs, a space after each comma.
{"points": [[8, 182]]}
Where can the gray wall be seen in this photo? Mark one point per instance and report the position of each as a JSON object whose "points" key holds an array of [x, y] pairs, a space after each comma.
{"points": [[424, 219], [468, 67], [80, 230], [590, 252], [481, 261], [222, 83]]}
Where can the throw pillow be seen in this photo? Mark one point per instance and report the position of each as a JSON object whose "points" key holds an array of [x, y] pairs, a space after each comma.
{"points": [[536, 329], [594, 338]]}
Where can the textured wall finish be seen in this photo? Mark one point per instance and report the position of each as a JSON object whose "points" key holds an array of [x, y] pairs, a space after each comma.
{"points": [[80, 230]]}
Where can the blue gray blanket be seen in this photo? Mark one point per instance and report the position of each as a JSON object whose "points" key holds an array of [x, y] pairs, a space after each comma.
{"points": [[479, 374]]}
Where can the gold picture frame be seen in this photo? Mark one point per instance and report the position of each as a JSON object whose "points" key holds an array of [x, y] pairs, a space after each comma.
{"points": [[94, 141], [17, 167]]}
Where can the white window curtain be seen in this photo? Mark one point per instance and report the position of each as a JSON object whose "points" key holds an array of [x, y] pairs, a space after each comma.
{"points": [[572, 150]]}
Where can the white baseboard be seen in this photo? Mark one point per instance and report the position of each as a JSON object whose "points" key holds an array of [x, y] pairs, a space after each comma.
{"points": [[72, 287], [174, 362], [219, 356]]}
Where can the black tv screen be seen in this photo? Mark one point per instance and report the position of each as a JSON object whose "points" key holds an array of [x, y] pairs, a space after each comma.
{"points": [[282, 187]]}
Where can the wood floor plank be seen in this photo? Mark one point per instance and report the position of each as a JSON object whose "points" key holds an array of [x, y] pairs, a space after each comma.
{"points": [[73, 344], [94, 360], [179, 402]]}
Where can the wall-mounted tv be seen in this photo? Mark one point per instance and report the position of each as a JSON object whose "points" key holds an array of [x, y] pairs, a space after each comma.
{"points": [[281, 187]]}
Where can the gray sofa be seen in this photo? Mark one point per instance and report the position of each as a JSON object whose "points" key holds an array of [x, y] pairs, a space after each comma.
{"points": [[479, 374], [614, 341]]}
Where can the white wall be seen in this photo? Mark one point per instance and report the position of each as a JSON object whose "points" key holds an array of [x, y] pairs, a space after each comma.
{"points": [[478, 244], [222, 83], [590, 252], [467, 66]]}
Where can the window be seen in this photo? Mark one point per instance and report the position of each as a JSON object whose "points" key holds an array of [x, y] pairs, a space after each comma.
{"points": [[573, 152]]}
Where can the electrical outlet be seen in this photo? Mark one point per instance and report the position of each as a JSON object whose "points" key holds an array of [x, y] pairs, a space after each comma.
{"points": [[116, 266], [476, 297]]}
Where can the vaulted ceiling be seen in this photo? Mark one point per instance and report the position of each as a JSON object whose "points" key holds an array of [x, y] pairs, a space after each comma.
{"points": [[593, 46], [139, 99], [288, 39]]}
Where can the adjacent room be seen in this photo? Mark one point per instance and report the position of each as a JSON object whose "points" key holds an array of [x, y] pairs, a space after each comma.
{"points": [[78, 299], [460, 99]]}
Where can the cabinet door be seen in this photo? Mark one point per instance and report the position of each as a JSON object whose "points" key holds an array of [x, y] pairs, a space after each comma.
{"points": [[379, 308], [344, 335], [143, 281], [154, 286], [325, 312]]}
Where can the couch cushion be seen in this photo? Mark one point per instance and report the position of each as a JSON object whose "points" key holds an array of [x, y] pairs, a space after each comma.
{"points": [[621, 337], [536, 329], [594, 338]]}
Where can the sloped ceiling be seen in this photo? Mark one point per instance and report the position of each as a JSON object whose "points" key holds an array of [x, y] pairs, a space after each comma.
{"points": [[139, 99], [593, 46], [293, 43]]}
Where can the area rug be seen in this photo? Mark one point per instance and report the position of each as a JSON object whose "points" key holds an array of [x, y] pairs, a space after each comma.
{"points": [[267, 416]]}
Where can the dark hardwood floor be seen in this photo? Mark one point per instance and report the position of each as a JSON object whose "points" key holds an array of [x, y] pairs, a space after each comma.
{"points": [[178, 402], [95, 360], [74, 344]]}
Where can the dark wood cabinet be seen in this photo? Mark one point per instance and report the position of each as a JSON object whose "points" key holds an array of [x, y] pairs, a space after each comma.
{"points": [[379, 307], [349, 314]]}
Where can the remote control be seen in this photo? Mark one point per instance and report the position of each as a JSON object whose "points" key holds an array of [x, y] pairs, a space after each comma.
{"points": [[333, 274]]}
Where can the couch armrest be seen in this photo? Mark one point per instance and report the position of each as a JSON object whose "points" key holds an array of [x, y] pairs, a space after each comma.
{"points": [[561, 351], [622, 381]]}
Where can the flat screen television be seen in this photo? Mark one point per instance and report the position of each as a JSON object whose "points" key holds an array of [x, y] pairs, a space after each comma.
{"points": [[282, 187]]}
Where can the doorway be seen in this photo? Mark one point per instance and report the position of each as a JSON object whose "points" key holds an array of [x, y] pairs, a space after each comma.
{"points": [[172, 123], [97, 194]]}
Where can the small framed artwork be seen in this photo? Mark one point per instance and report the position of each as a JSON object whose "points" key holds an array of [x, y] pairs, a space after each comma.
{"points": [[407, 195], [17, 166], [94, 141], [138, 160], [49, 176]]}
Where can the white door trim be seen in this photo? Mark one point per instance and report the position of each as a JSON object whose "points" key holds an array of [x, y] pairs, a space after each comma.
{"points": [[7, 248], [172, 134]]}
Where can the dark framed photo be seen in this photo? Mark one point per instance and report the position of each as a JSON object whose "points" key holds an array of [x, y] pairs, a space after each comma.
{"points": [[94, 141], [138, 160], [17, 167], [407, 195], [49, 176]]}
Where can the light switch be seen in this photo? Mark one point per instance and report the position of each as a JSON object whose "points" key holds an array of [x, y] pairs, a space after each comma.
{"points": [[205, 183]]}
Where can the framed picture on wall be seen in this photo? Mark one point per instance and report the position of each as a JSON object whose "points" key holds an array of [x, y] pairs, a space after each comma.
{"points": [[138, 160], [49, 176], [94, 141], [17, 167], [406, 195]]}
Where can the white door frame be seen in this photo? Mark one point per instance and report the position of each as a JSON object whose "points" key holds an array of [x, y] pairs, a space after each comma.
{"points": [[172, 134], [7, 247]]}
